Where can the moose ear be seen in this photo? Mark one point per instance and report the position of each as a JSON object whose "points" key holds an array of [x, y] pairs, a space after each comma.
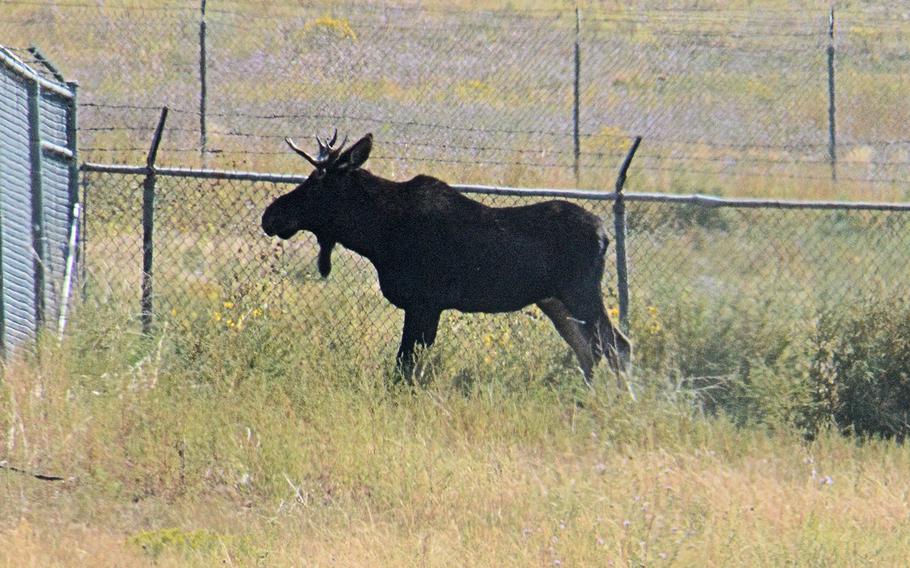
{"points": [[356, 155]]}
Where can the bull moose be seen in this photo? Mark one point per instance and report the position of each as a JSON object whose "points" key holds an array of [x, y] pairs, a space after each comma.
{"points": [[435, 249]]}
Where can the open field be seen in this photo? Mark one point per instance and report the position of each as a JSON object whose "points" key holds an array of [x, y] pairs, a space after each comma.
{"points": [[731, 98]]}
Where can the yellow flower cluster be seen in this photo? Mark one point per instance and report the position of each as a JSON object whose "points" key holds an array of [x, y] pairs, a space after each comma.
{"points": [[232, 318], [653, 325]]}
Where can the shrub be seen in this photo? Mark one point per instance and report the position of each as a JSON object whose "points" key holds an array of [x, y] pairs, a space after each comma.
{"points": [[860, 372], [733, 355]]}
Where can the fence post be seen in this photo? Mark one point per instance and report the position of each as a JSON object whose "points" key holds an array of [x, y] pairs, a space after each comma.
{"points": [[576, 107], [38, 245], [68, 270], [148, 225], [203, 86], [73, 147], [83, 238], [619, 219], [832, 130]]}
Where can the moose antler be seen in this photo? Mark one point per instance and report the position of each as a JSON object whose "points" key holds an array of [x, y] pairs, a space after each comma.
{"points": [[325, 148], [328, 152]]}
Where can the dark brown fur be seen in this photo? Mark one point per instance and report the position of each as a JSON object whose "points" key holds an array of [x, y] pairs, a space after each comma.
{"points": [[435, 249]]}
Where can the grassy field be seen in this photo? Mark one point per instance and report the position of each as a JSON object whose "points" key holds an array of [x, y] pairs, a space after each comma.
{"points": [[260, 424], [731, 98], [250, 446]]}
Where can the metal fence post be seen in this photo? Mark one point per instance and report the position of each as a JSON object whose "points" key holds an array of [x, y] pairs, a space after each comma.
{"points": [[203, 86], [83, 237], [619, 220], [69, 270], [38, 246], [148, 225], [72, 146], [832, 130], [576, 107]]}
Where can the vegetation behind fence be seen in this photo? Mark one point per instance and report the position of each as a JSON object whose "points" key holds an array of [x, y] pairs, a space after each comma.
{"points": [[732, 98], [718, 288]]}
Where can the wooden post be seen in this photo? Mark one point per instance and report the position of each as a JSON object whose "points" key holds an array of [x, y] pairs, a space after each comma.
{"points": [[619, 219], [576, 107], [832, 130], [148, 225], [203, 85]]}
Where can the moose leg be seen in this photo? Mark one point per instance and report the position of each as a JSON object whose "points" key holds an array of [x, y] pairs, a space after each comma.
{"points": [[420, 327], [607, 339], [572, 332], [614, 344]]}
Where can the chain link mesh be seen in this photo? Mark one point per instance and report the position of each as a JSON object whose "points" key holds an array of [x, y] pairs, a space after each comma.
{"points": [[709, 285], [214, 268]]}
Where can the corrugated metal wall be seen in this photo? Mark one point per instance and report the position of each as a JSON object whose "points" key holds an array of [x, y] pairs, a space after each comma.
{"points": [[37, 193], [56, 198]]}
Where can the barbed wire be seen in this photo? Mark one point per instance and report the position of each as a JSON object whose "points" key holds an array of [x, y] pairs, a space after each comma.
{"points": [[95, 6], [533, 151], [640, 74]]}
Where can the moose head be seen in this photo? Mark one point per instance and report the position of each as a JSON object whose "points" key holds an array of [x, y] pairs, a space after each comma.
{"points": [[318, 201]]}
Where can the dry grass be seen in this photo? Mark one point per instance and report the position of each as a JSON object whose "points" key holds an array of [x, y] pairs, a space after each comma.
{"points": [[268, 450], [269, 444]]}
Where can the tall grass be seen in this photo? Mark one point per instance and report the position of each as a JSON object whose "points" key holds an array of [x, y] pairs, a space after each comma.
{"points": [[260, 444]]}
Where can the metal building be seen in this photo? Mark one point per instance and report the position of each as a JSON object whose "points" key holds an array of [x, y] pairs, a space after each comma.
{"points": [[38, 193]]}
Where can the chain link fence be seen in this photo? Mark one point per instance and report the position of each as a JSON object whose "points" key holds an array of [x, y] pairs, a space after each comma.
{"points": [[730, 99], [712, 282]]}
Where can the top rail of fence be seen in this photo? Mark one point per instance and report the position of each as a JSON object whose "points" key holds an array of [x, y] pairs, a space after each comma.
{"points": [[9, 60], [585, 194]]}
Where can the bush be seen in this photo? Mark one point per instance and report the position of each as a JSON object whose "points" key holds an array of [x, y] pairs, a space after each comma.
{"points": [[860, 373], [735, 356]]}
